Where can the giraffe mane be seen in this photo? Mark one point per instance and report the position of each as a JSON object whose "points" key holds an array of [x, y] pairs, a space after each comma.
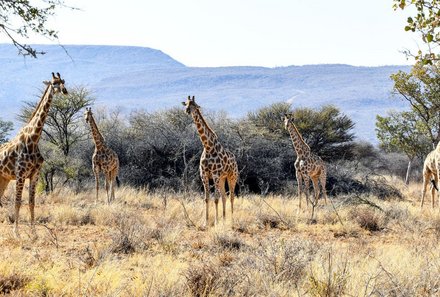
{"points": [[205, 123], [39, 104], [299, 134]]}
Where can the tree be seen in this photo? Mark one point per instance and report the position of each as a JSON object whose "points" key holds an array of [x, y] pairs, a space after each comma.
{"points": [[421, 89], [403, 132], [327, 131], [19, 18], [62, 131], [425, 21], [5, 128]]}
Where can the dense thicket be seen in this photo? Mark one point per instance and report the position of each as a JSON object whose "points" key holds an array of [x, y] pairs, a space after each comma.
{"points": [[162, 149]]}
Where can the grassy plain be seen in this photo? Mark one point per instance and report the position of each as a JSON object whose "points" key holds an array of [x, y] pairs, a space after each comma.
{"points": [[154, 244]]}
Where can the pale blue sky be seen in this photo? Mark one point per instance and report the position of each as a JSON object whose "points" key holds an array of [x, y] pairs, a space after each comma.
{"points": [[244, 32]]}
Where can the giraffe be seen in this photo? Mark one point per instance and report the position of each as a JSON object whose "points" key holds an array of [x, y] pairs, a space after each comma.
{"points": [[104, 159], [216, 162], [307, 165], [430, 174], [20, 158]]}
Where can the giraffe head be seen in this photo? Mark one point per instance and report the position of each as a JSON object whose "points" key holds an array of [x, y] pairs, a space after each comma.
{"points": [[288, 119], [57, 83], [88, 114], [190, 105]]}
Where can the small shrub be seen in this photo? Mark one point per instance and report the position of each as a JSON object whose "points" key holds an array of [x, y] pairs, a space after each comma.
{"points": [[228, 242], [12, 282], [268, 221], [242, 225], [202, 279], [331, 282], [129, 234], [87, 218], [122, 244], [366, 218], [284, 261]]}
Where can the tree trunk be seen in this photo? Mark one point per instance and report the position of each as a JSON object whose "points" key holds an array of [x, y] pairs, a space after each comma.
{"points": [[408, 170]]}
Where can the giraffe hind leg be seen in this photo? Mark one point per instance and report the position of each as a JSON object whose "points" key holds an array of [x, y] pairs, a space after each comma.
{"points": [[426, 180], [434, 188], [18, 194], [323, 179], [3, 185], [223, 196], [232, 181], [315, 189]]}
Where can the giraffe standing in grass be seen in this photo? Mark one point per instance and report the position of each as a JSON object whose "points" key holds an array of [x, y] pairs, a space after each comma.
{"points": [[104, 159], [430, 175], [20, 158], [216, 162], [307, 165]]}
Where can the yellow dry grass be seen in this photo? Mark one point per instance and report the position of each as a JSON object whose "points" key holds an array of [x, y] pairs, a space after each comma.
{"points": [[154, 244]]}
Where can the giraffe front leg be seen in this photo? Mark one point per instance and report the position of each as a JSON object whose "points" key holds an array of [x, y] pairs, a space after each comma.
{"points": [[299, 181], [216, 197], [206, 188], [18, 194], [32, 185], [96, 172]]}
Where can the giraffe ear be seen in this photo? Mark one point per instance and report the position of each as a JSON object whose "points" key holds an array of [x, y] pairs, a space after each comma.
{"points": [[183, 103], [46, 82]]}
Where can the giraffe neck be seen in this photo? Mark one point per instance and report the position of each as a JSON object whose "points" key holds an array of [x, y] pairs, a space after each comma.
{"points": [[97, 137], [299, 144], [206, 134], [34, 127]]}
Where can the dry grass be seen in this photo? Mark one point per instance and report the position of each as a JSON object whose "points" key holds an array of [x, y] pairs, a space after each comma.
{"points": [[145, 244]]}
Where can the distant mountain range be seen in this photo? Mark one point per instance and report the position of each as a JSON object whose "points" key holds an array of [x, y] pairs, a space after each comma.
{"points": [[128, 78]]}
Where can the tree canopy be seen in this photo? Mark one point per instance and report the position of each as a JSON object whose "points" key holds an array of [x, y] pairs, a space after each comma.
{"points": [[425, 20], [20, 18], [5, 128]]}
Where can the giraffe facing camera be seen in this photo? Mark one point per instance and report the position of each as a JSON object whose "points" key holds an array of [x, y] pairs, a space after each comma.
{"points": [[216, 163], [20, 158], [104, 159]]}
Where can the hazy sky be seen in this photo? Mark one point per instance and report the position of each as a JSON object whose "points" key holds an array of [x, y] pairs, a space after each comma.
{"points": [[244, 32]]}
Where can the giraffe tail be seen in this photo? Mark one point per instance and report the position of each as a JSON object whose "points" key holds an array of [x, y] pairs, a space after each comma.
{"points": [[434, 185], [118, 182]]}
